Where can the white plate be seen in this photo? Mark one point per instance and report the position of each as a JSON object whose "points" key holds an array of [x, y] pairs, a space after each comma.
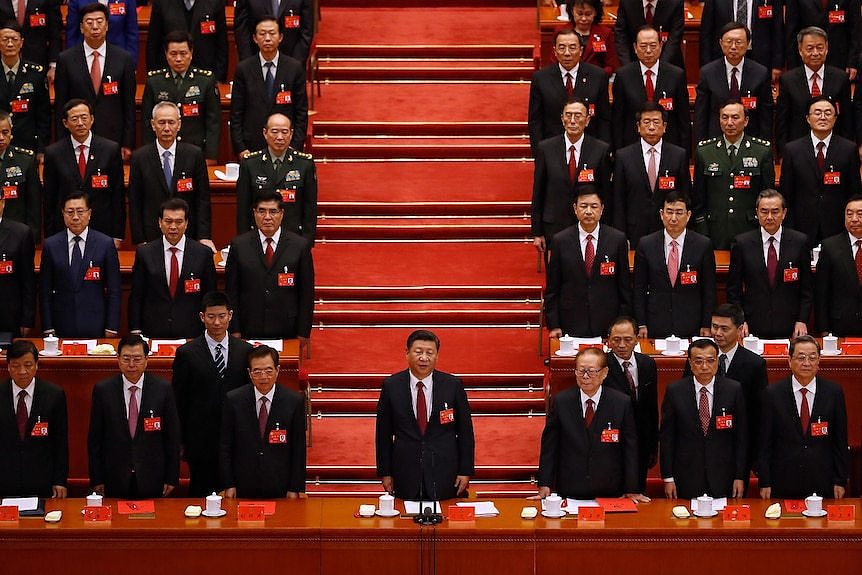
{"points": [[221, 513], [836, 352], [563, 18], [679, 353], [44, 353], [807, 513], [112, 354], [560, 353], [222, 264], [223, 176], [699, 516], [393, 513], [550, 515]]}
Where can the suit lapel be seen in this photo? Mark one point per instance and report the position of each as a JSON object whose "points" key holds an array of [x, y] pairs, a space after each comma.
{"points": [[406, 400], [159, 256], [790, 405], [156, 167], [72, 159]]}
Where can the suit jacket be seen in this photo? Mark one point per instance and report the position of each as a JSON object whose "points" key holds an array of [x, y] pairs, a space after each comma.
{"points": [[200, 393], [61, 177], [122, 28], [630, 94], [18, 288], [584, 305], [264, 308], [20, 170], [837, 293], [42, 43], [114, 114], [424, 466], [152, 310], [148, 189], [260, 467], [767, 31], [701, 463], [844, 41], [33, 465], [74, 306], [553, 194], [679, 310], [713, 91], [114, 455], [208, 28], [771, 312], [251, 105], [668, 19], [791, 107], [645, 406], [295, 41], [575, 461], [548, 96], [814, 207], [636, 206], [599, 48], [32, 127], [794, 463]]}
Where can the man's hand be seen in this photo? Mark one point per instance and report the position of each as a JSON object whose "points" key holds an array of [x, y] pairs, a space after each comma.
{"points": [[643, 333], [705, 332], [738, 488], [542, 493], [50, 75], [100, 489], [244, 154], [851, 73], [637, 497], [209, 244], [555, 333], [776, 74], [230, 493], [292, 495], [670, 490], [25, 331], [462, 482], [58, 491], [167, 489], [117, 242], [539, 243], [799, 328], [765, 492], [126, 153], [743, 329], [110, 333], [839, 492], [388, 484]]}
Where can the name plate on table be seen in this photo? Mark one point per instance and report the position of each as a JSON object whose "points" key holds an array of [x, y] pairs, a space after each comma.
{"points": [[774, 349], [97, 514], [136, 507], [851, 348], [616, 504], [9, 513], [461, 513], [74, 349], [591, 514], [737, 513], [794, 507], [167, 350], [249, 512], [841, 512]]}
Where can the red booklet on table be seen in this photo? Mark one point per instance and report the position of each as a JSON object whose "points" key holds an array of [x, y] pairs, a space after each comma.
{"points": [[617, 504], [130, 507]]}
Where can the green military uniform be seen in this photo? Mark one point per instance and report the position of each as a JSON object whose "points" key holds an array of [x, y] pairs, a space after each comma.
{"points": [[22, 191], [296, 181], [726, 188], [26, 99], [197, 95]]}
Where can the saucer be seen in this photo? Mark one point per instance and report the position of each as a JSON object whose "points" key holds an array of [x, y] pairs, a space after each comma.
{"points": [[221, 513], [699, 516], [560, 353], [807, 513], [224, 177], [222, 264], [563, 18], [550, 515], [836, 352], [44, 353], [112, 354], [393, 513], [679, 353]]}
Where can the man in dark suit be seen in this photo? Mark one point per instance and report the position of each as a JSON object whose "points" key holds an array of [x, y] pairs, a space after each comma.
{"points": [[34, 443], [164, 170], [588, 273], [644, 172], [819, 173], [803, 431], [666, 16], [765, 21], [41, 25], [295, 18], [21, 188], [704, 430], [735, 76], [770, 275], [169, 279], [134, 437], [204, 370], [270, 276], [840, 19], [106, 80], [552, 86], [24, 92], [79, 277], [838, 288], [563, 163], [268, 83], [590, 442], [425, 444], [87, 164], [278, 168], [206, 24], [648, 79], [674, 276], [636, 375], [262, 440], [798, 86], [17, 274]]}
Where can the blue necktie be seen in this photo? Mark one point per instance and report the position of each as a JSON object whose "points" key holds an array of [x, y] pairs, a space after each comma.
{"points": [[166, 167], [270, 80], [77, 258]]}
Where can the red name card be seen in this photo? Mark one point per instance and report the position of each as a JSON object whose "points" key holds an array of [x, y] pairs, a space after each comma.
{"points": [[268, 507], [794, 506], [841, 512], [584, 346], [615, 505], [129, 507], [591, 513], [853, 340], [97, 513], [8, 513], [737, 513], [851, 348], [461, 513], [74, 349], [167, 350], [249, 512], [774, 349]]}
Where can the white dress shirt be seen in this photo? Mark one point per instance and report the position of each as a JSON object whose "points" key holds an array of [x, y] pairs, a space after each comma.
{"points": [[596, 397], [127, 394], [633, 368], [809, 74], [710, 391], [211, 344], [815, 140], [645, 148], [71, 242], [263, 64], [269, 397], [88, 55], [275, 238], [28, 399], [853, 240], [728, 68], [86, 143], [582, 236], [654, 70], [173, 155], [797, 397], [573, 72], [428, 382], [764, 237], [577, 146], [680, 241], [181, 249]]}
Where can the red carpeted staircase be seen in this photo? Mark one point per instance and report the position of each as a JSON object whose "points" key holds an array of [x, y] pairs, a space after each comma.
{"points": [[425, 180]]}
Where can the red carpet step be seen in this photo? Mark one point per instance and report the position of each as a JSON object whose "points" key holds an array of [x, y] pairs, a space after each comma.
{"points": [[440, 227], [498, 382], [491, 148], [395, 69], [479, 489], [334, 129], [520, 53], [399, 311], [481, 401]]}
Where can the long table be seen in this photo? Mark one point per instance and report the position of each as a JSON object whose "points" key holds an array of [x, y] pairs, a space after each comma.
{"points": [[322, 536]]}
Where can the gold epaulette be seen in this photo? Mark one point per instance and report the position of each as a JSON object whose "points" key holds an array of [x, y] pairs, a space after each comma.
{"points": [[156, 72], [24, 150], [202, 72], [705, 142]]}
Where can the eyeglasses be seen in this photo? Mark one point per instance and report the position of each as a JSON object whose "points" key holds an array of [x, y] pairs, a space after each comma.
{"points": [[823, 113], [267, 371], [563, 48], [76, 211], [700, 362], [588, 371], [131, 359], [810, 358]]}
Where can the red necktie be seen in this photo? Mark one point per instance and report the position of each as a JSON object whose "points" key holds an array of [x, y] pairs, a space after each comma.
{"points": [[262, 416], [648, 14], [269, 253], [589, 413], [804, 411], [573, 165], [734, 83], [133, 410], [772, 262], [570, 89], [21, 414], [815, 88], [421, 408], [627, 365], [589, 255], [82, 161], [652, 170], [703, 410], [174, 278], [649, 86], [821, 156], [96, 73], [22, 11], [673, 262], [859, 260]]}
